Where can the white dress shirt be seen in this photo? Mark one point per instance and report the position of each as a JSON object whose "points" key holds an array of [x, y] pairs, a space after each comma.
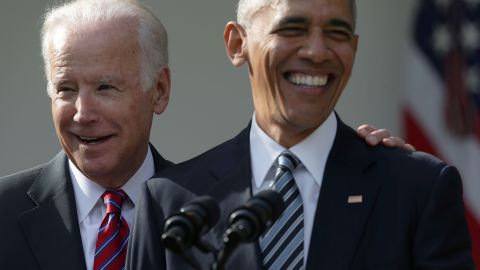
{"points": [[90, 206], [313, 152]]}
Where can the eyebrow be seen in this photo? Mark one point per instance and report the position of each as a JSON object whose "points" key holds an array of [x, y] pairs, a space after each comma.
{"points": [[341, 23], [108, 79], [302, 20], [293, 20], [59, 79]]}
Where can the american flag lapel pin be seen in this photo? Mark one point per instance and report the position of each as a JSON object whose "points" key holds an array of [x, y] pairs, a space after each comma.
{"points": [[354, 199]]}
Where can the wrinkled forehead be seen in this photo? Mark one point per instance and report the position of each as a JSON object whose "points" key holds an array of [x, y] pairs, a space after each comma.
{"points": [[310, 4], [309, 10], [247, 9], [259, 4], [116, 31]]}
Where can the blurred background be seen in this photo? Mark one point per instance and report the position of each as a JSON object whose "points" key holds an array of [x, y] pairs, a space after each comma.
{"points": [[425, 89]]}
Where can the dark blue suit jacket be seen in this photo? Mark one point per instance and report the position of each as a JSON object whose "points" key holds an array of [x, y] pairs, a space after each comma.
{"points": [[411, 216], [38, 218]]}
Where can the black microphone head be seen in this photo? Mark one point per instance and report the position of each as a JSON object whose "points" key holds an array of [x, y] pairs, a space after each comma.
{"points": [[249, 221], [275, 202], [178, 233], [185, 227], [204, 211]]}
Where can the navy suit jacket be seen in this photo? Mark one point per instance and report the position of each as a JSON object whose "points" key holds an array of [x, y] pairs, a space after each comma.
{"points": [[411, 215], [38, 218]]}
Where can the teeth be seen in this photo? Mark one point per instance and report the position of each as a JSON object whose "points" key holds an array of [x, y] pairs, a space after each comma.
{"points": [[308, 80], [87, 138]]}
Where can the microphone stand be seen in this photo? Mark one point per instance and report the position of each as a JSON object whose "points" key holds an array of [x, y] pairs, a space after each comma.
{"points": [[175, 243], [232, 239]]}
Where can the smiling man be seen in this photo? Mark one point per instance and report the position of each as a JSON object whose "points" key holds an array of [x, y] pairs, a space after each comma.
{"points": [[108, 75], [101, 110], [300, 57], [348, 205]]}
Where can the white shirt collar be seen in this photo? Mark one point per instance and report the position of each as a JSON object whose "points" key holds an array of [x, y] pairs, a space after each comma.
{"points": [[312, 151], [87, 192]]}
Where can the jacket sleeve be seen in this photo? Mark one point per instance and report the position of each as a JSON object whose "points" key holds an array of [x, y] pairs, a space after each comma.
{"points": [[442, 240]]}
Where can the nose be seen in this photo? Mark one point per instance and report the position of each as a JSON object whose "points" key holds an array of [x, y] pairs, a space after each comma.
{"points": [[315, 48], [86, 111]]}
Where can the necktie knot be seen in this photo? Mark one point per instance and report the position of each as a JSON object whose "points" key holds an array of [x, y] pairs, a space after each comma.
{"points": [[286, 161], [113, 200]]}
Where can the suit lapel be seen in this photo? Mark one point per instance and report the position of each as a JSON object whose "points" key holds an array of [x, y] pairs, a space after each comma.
{"points": [[52, 227], [338, 223], [233, 174]]}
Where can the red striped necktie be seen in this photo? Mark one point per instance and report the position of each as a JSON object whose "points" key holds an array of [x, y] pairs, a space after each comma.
{"points": [[112, 239]]}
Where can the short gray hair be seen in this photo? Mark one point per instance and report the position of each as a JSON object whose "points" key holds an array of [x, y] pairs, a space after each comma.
{"points": [[152, 36], [246, 9]]}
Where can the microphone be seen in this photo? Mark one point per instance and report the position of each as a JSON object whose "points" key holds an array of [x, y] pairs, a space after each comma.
{"points": [[248, 222], [184, 228]]}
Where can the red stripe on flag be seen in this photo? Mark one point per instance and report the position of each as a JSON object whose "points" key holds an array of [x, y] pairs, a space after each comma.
{"points": [[415, 135]]}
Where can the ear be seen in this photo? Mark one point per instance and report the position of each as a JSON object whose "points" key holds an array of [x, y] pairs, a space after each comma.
{"points": [[161, 90], [235, 43], [355, 42]]}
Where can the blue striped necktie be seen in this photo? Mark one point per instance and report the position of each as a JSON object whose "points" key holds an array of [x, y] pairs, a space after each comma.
{"points": [[112, 239], [282, 243]]}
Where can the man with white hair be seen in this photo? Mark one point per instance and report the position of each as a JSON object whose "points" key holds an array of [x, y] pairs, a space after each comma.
{"points": [[106, 64]]}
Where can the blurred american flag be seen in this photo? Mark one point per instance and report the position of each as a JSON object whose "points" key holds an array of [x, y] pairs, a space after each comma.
{"points": [[442, 106]]}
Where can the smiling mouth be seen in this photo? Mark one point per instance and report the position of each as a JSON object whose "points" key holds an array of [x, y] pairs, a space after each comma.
{"points": [[92, 140], [305, 80]]}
